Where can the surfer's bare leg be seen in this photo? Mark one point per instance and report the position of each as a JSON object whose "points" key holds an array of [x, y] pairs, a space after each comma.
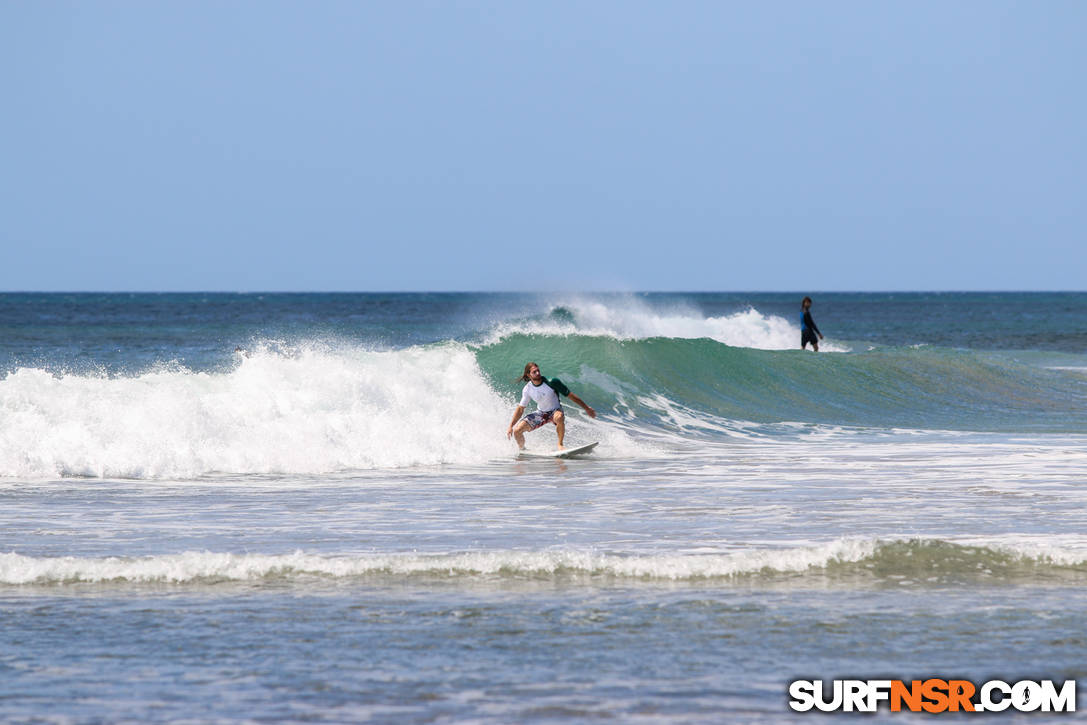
{"points": [[519, 433], [560, 426]]}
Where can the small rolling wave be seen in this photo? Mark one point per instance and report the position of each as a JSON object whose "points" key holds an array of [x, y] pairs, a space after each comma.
{"points": [[898, 562]]}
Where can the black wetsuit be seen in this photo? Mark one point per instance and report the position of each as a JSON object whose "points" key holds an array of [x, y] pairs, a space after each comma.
{"points": [[808, 330]]}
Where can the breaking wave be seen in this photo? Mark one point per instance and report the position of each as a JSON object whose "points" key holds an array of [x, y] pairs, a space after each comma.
{"points": [[899, 562]]}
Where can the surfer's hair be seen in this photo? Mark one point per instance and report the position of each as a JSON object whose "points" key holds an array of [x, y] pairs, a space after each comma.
{"points": [[524, 376], [805, 301]]}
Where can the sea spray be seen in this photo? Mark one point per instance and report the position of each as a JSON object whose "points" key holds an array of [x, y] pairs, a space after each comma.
{"points": [[310, 411], [634, 319]]}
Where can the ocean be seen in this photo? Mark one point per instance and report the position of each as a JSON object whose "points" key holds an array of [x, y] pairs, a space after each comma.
{"points": [[304, 508]]}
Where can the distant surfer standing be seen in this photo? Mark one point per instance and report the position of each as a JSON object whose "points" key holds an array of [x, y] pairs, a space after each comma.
{"points": [[548, 408], [808, 330]]}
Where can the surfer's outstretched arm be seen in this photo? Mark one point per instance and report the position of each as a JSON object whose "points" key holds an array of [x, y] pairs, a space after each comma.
{"points": [[583, 404], [516, 417]]}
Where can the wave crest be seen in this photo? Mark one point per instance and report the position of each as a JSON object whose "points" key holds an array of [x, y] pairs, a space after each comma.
{"points": [[306, 410], [898, 562], [633, 319]]}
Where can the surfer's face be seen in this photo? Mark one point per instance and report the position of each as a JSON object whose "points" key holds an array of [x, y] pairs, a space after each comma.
{"points": [[534, 373]]}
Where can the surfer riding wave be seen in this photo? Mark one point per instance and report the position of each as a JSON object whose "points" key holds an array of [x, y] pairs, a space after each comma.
{"points": [[548, 408]]}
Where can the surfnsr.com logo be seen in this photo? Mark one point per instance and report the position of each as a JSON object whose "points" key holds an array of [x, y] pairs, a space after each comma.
{"points": [[932, 695]]}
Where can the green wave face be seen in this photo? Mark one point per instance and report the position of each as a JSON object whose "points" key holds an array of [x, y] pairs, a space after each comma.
{"points": [[925, 388]]}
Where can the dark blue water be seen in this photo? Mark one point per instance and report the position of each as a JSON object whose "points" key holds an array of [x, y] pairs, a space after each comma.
{"points": [[201, 330]]}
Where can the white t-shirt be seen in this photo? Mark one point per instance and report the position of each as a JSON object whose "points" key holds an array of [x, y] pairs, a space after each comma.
{"points": [[546, 398]]}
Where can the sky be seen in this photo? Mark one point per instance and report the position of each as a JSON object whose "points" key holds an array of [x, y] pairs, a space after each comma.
{"points": [[373, 145]]}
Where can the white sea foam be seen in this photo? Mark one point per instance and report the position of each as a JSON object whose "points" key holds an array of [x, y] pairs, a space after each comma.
{"points": [[18, 569], [313, 410], [630, 318], [192, 566], [1058, 549]]}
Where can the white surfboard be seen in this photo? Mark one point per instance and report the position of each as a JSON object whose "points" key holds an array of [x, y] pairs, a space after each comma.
{"points": [[564, 453]]}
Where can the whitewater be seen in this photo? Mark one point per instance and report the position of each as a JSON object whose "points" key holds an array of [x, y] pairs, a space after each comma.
{"points": [[304, 507]]}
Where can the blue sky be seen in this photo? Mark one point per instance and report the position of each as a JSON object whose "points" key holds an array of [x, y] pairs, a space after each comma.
{"points": [[564, 145]]}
